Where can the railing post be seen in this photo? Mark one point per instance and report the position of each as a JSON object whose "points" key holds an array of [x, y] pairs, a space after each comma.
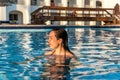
{"points": [[117, 9]]}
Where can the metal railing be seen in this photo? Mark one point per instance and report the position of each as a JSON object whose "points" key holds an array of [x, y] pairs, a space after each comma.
{"points": [[73, 13]]}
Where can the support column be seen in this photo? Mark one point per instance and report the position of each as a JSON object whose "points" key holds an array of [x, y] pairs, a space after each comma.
{"points": [[3, 13], [47, 2], [26, 14], [63, 4]]}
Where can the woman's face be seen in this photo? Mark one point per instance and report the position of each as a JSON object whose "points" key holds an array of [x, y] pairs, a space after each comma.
{"points": [[53, 41]]}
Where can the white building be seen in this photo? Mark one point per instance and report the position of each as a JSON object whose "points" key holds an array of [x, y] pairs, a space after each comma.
{"points": [[19, 11]]}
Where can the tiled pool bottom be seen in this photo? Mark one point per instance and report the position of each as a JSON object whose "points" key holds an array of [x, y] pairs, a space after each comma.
{"points": [[98, 49]]}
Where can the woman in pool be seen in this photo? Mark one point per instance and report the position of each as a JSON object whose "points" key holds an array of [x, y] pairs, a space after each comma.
{"points": [[60, 55]]}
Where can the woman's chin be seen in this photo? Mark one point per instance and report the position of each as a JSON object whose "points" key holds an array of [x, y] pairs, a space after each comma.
{"points": [[51, 47]]}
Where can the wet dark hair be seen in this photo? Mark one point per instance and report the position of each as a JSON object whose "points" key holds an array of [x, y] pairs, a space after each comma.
{"points": [[61, 33]]}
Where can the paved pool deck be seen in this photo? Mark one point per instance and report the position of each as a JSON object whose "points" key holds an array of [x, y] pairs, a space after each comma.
{"points": [[53, 26]]}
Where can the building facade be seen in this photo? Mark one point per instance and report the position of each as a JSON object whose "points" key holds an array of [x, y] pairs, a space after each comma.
{"points": [[19, 11]]}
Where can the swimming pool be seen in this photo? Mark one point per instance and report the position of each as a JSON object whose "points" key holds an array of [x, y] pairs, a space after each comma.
{"points": [[97, 49]]}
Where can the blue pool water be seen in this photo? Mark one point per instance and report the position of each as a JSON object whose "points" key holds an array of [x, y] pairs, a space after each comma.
{"points": [[97, 49]]}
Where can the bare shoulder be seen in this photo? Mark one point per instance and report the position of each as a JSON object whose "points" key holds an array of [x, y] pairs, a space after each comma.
{"points": [[49, 53], [71, 55]]}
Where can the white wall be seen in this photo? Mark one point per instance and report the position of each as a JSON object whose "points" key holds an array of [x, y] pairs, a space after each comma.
{"points": [[110, 3], [3, 13], [47, 2]]}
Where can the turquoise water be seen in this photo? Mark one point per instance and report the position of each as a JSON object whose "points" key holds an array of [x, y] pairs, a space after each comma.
{"points": [[97, 49]]}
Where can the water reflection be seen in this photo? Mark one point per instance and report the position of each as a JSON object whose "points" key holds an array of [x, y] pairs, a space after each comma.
{"points": [[56, 71], [97, 49], [25, 41]]}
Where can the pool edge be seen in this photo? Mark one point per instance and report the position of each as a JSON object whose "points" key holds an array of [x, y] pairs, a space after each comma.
{"points": [[53, 26]]}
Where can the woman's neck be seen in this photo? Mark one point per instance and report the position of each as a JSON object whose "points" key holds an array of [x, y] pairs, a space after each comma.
{"points": [[60, 50]]}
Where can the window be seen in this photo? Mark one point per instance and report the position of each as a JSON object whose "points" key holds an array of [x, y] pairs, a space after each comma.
{"points": [[34, 2], [52, 3], [52, 0], [98, 4], [13, 17], [14, 1], [87, 3]]}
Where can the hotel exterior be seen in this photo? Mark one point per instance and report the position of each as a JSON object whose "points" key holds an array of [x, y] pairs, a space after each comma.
{"points": [[19, 11]]}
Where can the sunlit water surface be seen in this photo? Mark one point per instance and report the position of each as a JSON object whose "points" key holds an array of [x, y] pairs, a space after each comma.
{"points": [[98, 51]]}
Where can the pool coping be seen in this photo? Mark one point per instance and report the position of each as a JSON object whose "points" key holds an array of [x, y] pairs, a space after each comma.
{"points": [[53, 26]]}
